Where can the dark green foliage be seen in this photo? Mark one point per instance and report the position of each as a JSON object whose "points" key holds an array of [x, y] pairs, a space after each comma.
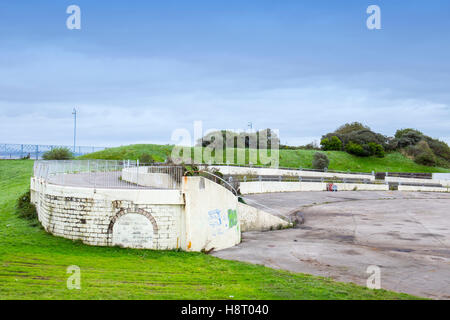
{"points": [[58, 154], [401, 132], [435, 151], [376, 149], [425, 155], [331, 144], [146, 158], [351, 127], [25, 208], [357, 139], [320, 161], [409, 138], [439, 148], [356, 149]]}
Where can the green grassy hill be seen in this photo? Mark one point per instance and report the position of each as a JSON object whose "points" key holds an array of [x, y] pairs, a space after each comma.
{"points": [[33, 265], [339, 160]]}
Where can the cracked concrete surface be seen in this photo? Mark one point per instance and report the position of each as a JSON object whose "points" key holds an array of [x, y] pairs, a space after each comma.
{"points": [[406, 234]]}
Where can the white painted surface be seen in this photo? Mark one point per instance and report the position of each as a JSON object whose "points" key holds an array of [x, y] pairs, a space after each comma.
{"points": [[90, 215], [286, 172], [441, 176], [425, 189], [253, 219], [412, 180], [282, 186], [211, 215], [133, 231]]}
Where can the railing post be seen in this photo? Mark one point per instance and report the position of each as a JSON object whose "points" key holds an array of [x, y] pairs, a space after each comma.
{"points": [[137, 172]]}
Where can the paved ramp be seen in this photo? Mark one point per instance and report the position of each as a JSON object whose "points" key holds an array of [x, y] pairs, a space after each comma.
{"points": [[406, 234]]}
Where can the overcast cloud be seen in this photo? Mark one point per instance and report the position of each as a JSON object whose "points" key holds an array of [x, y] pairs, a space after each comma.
{"points": [[142, 94]]}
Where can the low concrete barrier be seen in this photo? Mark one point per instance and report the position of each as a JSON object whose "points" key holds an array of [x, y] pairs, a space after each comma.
{"points": [[282, 186], [425, 189], [412, 180], [253, 219], [231, 170]]}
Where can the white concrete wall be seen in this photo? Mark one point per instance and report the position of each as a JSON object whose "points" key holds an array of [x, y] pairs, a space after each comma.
{"points": [[279, 186], [231, 170], [441, 176], [362, 187], [212, 221], [445, 183], [253, 219], [90, 215], [411, 180], [425, 189], [282, 186]]}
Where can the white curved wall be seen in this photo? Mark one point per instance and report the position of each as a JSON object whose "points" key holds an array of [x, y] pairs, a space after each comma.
{"points": [[212, 220], [90, 215]]}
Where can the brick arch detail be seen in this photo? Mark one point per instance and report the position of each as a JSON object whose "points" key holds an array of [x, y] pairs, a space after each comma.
{"points": [[123, 212]]}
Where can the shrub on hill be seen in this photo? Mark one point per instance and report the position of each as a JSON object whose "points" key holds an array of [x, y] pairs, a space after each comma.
{"points": [[58, 154], [333, 143], [356, 139], [146, 158], [26, 209], [320, 161]]}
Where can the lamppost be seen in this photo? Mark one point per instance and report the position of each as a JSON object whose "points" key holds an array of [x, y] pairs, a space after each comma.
{"points": [[74, 128]]}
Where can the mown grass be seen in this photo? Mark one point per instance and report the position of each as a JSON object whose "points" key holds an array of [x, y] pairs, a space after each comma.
{"points": [[33, 265], [341, 161]]}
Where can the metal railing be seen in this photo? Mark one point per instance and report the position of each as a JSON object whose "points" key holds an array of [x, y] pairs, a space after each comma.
{"points": [[261, 178], [36, 151], [258, 166], [108, 174]]}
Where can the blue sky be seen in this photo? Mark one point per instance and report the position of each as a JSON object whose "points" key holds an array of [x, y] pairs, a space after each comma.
{"points": [[138, 70]]}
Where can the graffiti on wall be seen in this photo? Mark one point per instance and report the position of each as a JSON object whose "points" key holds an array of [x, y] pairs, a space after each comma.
{"points": [[218, 222], [232, 218], [221, 221]]}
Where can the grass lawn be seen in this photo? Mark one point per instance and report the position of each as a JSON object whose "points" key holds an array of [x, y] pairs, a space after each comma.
{"points": [[339, 160], [33, 265]]}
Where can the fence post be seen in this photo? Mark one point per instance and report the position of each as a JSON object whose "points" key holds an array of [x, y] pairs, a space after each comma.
{"points": [[37, 152], [137, 172]]}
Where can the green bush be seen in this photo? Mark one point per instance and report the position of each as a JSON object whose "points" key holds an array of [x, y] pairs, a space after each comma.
{"points": [[25, 208], [376, 149], [426, 159], [58, 154], [146, 158], [320, 161], [409, 138], [425, 155], [356, 149], [333, 143]]}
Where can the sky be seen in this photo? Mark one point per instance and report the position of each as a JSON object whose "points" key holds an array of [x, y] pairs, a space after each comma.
{"points": [[138, 70]]}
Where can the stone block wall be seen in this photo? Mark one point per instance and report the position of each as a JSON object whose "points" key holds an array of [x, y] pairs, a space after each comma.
{"points": [[100, 218]]}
